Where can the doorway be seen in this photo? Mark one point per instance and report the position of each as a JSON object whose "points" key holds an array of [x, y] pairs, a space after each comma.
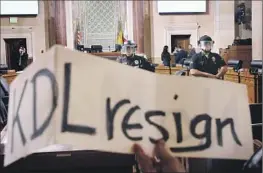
{"points": [[180, 40], [12, 46]]}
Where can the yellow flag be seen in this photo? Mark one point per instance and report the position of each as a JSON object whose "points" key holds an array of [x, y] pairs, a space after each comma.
{"points": [[120, 38]]}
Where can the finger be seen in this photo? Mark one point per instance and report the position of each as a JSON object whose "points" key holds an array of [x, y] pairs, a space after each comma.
{"points": [[144, 161], [173, 165], [170, 163], [161, 152]]}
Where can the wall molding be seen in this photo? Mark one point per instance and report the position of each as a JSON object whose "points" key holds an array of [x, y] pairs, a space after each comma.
{"points": [[17, 32], [185, 29]]}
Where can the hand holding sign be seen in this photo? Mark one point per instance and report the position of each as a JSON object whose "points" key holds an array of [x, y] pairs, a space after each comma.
{"points": [[68, 97], [167, 162]]}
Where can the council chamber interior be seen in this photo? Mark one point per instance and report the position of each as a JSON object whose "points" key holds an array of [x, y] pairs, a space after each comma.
{"points": [[30, 28]]}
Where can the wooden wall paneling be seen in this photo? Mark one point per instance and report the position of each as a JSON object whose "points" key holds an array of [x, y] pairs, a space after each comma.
{"points": [[147, 30], [60, 22], [232, 76], [239, 52], [138, 24], [50, 6], [56, 20], [52, 34], [47, 15]]}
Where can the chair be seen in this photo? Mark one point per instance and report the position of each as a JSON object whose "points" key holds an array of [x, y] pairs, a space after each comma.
{"points": [[181, 73], [4, 91], [236, 64], [256, 67], [256, 120], [3, 115], [254, 164]]}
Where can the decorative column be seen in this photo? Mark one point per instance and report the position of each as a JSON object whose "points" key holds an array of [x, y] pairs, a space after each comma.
{"points": [[60, 22], [256, 30], [57, 22], [138, 24], [147, 29], [129, 19], [224, 23], [69, 25]]}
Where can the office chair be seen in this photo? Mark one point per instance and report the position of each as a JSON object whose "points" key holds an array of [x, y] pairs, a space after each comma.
{"points": [[256, 67], [254, 164], [185, 72], [236, 64], [3, 115], [256, 70], [4, 91]]}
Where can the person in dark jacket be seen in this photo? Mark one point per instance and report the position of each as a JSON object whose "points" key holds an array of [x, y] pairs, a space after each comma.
{"points": [[207, 63], [182, 54], [191, 51], [166, 57], [23, 58], [129, 57]]}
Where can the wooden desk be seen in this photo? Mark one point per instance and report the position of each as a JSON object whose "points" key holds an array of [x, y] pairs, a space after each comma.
{"points": [[109, 55], [161, 69], [232, 76], [103, 54], [253, 83], [10, 77], [239, 52]]}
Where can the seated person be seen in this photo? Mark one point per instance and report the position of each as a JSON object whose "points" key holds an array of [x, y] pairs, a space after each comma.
{"points": [[181, 54], [207, 63], [176, 50], [191, 51], [166, 57], [129, 57]]}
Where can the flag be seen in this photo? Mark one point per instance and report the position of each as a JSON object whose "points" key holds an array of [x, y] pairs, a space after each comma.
{"points": [[120, 37], [77, 36]]}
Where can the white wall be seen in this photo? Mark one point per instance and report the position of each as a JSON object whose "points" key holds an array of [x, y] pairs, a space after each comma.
{"points": [[257, 29], [37, 32], [218, 23]]}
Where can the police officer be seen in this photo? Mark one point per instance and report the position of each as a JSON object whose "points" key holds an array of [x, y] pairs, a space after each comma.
{"points": [[129, 57], [207, 63]]}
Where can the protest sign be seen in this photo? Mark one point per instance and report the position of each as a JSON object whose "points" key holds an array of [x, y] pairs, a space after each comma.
{"points": [[91, 103]]}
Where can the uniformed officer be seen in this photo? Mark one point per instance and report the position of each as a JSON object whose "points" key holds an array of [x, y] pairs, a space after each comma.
{"points": [[129, 57], [207, 63]]}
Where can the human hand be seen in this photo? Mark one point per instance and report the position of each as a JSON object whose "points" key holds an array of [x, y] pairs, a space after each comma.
{"points": [[217, 76], [162, 162], [211, 76]]}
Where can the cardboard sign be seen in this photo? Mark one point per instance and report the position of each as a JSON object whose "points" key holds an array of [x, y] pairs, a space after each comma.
{"points": [[77, 99]]}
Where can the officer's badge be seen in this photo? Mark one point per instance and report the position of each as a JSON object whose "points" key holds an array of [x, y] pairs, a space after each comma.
{"points": [[214, 59]]}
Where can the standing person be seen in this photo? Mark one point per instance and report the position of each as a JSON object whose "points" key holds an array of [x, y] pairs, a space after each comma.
{"points": [[166, 57], [23, 58], [207, 63], [176, 49], [129, 57]]}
